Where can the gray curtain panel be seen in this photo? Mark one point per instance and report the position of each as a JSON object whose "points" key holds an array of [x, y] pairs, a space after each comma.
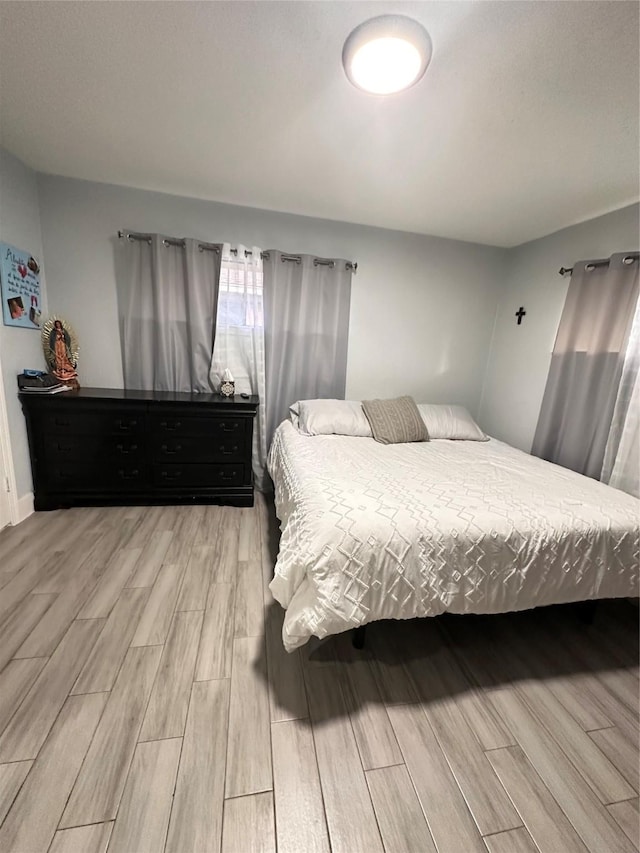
{"points": [[306, 308], [168, 304], [586, 365]]}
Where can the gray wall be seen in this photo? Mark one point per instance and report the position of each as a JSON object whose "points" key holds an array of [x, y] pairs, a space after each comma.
{"points": [[19, 348], [520, 355], [422, 308]]}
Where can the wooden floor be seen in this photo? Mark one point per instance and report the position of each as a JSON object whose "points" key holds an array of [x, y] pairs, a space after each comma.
{"points": [[146, 704]]}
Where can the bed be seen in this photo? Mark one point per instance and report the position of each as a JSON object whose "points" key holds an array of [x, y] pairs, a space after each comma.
{"points": [[372, 531]]}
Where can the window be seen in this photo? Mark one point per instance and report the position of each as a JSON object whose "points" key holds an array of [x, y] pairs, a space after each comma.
{"points": [[240, 296]]}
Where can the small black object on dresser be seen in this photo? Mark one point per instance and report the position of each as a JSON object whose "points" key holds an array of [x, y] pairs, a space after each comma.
{"points": [[104, 446]]}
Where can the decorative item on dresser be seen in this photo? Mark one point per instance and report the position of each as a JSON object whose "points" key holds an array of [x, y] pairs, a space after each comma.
{"points": [[103, 446]]}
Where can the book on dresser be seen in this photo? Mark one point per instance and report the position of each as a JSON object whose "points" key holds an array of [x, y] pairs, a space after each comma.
{"points": [[104, 446]]}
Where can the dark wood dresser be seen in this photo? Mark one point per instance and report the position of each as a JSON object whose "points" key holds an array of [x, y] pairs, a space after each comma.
{"points": [[103, 446]]}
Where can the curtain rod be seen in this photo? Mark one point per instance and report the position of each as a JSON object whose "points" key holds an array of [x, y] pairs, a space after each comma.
{"points": [[214, 247], [627, 260], [167, 241]]}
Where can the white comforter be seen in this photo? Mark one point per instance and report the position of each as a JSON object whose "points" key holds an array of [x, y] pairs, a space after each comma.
{"points": [[372, 531]]}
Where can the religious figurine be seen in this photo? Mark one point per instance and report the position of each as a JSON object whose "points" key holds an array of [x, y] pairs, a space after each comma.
{"points": [[60, 347]]}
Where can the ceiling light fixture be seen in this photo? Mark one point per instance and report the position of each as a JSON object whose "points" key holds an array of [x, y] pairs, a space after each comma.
{"points": [[387, 54]]}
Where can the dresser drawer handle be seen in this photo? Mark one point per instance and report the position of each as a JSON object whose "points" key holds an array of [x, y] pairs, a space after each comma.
{"points": [[171, 475], [63, 448], [165, 449], [126, 425], [62, 423], [230, 476], [172, 425], [226, 428], [128, 475], [131, 448], [226, 452]]}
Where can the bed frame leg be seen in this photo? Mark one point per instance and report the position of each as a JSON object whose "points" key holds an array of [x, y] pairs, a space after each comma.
{"points": [[359, 635], [586, 611]]}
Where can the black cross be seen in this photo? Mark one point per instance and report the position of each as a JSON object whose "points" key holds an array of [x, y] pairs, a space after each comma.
{"points": [[520, 314]]}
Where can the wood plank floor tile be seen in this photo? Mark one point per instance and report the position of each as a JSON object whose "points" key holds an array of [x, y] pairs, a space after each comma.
{"points": [[348, 808], [287, 697], [33, 818], [249, 536], [249, 746], [627, 816], [31, 723], [148, 523], [209, 530], [225, 569], [195, 582], [400, 818], [450, 822], [249, 605], [488, 801], [96, 794], [216, 640], [571, 704], [609, 785], [452, 681], [540, 813], [248, 824], [300, 820], [16, 680], [102, 666], [20, 622], [389, 652], [187, 522], [588, 816], [549, 662], [612, 743], [376, 741], [167, 710], [196, 816], [52, 626], [511, 841], [143, 815], [151, 559], [33, 566], [11, 778], [93, 838], [154, 623], [114, 578]]}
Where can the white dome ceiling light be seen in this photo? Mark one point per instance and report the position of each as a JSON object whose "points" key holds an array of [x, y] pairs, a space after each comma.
{"points": [[387, 54]]}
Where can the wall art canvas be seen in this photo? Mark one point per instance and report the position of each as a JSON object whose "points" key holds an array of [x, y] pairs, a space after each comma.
{"points": [[20, 288]]}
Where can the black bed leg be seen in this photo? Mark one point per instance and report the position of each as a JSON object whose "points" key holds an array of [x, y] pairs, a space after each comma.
{"points": [[586, 611], [359, 635]]}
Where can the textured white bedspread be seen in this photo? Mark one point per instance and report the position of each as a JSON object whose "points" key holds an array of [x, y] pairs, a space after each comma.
{"points": [[372, 531]]}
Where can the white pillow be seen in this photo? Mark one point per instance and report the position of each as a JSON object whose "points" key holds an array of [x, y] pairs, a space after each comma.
{"points": [[330, 417], [452, 422]]}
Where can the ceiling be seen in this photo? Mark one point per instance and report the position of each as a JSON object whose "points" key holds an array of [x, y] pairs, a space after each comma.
{"points": [[526, 121]]}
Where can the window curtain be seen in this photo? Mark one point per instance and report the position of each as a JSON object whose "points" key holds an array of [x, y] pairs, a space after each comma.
{"points": [[621, 466], [239, 341], [586, 365], [168, 313], [307, 303]]}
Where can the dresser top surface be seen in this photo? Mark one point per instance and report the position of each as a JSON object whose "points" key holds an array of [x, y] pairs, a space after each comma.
{"points": [[122, 395]]}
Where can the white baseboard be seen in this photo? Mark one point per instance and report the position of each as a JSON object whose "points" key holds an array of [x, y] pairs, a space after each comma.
{"points": [[24, 507]]}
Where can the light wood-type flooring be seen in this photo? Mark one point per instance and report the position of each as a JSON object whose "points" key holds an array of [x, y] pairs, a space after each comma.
{"points": [[146, 704]]}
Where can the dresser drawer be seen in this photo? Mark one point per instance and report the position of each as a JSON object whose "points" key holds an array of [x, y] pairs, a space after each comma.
{"points": [[199, 476], [111, 477], [216, 448], [204, 427], [74, 422], [69, 448]]}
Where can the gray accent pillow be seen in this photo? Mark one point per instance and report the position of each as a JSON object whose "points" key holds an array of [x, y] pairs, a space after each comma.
{"points": [[395, 421]]}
